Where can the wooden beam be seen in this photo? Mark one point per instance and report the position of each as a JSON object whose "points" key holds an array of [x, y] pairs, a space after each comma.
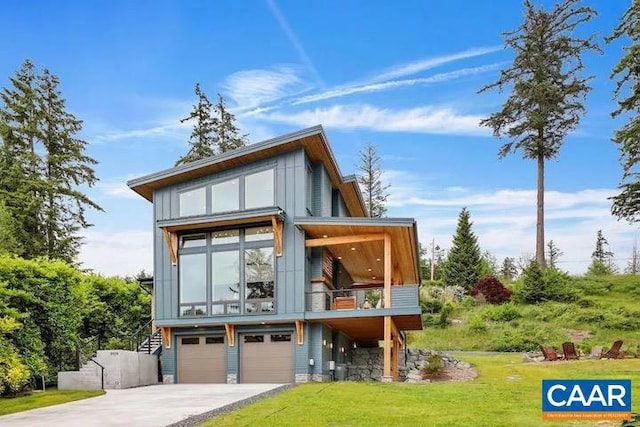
{"points": [[231, 334], [387, 270], [276, 223], [171, 237], [386, 371], [300, 331], [343, 240], [166, 337]]}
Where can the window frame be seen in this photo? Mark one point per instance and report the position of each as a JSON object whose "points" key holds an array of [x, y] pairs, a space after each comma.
{"points": [[240, 247]]}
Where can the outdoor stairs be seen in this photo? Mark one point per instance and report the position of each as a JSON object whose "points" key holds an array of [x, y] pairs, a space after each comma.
{"points": [[152, 344]]}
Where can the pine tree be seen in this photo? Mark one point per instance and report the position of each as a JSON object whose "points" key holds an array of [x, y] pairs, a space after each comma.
{"points": [[20, 182], [547, 89], [626, 205], [633, 266], [370, 179], [602, 257], [508, 271], [228, 135], [202, 141], [464, 262], [214, 129], [66, 167], [553, 254]]}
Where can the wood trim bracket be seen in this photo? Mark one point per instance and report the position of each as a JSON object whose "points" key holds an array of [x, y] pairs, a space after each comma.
{"points": [[231, 334], [276, 223], [166, 336], [171, 237], [343, 240], [300, 332]]}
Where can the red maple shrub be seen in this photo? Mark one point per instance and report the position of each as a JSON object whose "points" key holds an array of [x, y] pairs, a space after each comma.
{"points": [[493, 291]]}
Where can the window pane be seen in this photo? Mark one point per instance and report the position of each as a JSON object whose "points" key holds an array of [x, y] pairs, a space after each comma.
{"points": [[193, 202], [233, 308], [258, 190], [190, 341], [217, 309], [253, 338], [214, 340], [198, 310], [225, 236], [225, 276], [259, 273], [281, 338], [193, 241], [225, 196], [258, 233], [193, 278]]}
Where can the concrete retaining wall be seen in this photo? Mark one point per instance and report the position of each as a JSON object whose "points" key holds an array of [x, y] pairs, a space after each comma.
{"points": [[122, 369]]}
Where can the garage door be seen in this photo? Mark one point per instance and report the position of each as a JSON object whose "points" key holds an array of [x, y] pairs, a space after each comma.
{"points": [[201, 360], [266, 358]]}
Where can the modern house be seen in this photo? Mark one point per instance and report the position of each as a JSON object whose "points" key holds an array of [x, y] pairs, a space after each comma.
{"points": [[267, 268]]}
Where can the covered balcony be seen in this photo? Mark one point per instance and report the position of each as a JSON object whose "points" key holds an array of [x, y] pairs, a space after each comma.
{"points": [[365, 280]]}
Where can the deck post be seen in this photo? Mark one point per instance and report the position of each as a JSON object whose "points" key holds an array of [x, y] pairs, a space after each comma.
{"points": [[386, 372], [388, 270]]}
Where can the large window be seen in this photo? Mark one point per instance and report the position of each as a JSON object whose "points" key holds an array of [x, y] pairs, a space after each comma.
{"points": [[227, 272], [256, 190], [193, 202]]}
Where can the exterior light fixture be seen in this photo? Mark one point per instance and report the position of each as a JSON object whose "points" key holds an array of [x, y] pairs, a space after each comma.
{"points": [[353, 248], [324, 236], [378, 259], [339, 257], [373, 277], [324, 342], [368, 269]]}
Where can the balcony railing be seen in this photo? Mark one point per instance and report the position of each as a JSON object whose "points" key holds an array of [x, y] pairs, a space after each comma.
{"points": [[361, 298]]}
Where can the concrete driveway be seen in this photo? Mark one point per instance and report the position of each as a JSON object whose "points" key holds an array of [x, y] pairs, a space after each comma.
{"points": [[151, 406]]}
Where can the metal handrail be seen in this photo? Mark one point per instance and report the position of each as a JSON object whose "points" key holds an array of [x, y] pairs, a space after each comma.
{"points": [[146, 331], [101, 372]]}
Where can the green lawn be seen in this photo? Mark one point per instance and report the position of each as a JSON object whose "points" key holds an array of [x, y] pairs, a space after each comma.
{"points": [[9, 405], [506, 393]]}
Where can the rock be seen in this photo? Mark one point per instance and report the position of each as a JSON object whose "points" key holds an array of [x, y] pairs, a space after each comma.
{"points": [[463, 365]]}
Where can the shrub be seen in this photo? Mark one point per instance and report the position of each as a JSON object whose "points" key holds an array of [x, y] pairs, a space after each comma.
{"points": [[434, 365], [501, 313], [550, 285], [477, 324], [443, 320], [492, 289], [431, 306], [532, 290]]}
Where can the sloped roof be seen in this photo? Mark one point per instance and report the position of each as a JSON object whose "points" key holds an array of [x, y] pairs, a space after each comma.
{"points": [[313, 140]]}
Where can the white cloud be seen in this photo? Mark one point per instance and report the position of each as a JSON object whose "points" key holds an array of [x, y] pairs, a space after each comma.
{"points": [[394, 84], [169, 130], [252, 88], [429, 63], [124, 252], [430, 120]]}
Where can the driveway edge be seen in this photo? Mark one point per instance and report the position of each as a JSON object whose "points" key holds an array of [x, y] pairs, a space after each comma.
{"points": [[194, 420]]}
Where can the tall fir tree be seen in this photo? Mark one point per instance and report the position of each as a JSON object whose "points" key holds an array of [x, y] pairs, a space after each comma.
{"points": [[66, 168], [228, 134], [553, 254], [370, 179], [509, 270], [21, 187], [602, 257], [214, 129], [626, 204], [202, 140], [547, 89], [464, 261]]}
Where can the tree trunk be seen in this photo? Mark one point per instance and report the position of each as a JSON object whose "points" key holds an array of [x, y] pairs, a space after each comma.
{"points": [[540, 214]]}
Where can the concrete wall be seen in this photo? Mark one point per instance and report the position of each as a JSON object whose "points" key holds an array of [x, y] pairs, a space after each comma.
{"points": [[122, 369]]}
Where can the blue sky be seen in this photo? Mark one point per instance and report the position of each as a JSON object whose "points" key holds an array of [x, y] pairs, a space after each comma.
{"points": [[402, 75]]}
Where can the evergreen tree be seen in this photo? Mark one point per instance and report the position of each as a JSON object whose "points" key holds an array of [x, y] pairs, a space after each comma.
{"points": [[626, 205], [489, 265], [553, 254], [508, 271], [464, 262], [8, 243], [228, 135], [370, 180], [20, 165], [602, 257], [214, 129], [633, 266], [202, 140], [66, 167], [547, 89]]}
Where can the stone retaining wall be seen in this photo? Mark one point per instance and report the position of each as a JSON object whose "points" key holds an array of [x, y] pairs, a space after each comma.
{"points": [[366, 364]]}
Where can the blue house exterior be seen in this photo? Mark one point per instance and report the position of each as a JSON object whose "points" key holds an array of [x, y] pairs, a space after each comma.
{"points": [[267, 268]]}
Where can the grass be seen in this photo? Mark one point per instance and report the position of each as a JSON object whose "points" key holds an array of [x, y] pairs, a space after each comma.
{"points": [[506, 393], [605, 306], [10, 405]]}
